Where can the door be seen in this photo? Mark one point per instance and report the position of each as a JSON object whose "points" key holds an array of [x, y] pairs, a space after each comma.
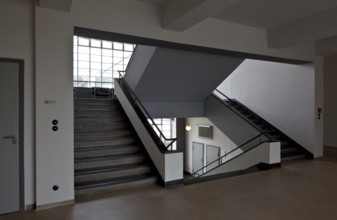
{"points": [[9, 137], [212, 153], [198, 157]]}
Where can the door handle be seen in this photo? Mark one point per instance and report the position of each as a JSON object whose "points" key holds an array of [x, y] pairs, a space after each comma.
{"points": [[13, 137]]}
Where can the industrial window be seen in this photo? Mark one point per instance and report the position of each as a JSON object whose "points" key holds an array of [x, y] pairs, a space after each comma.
{"points": [[97, 62]]}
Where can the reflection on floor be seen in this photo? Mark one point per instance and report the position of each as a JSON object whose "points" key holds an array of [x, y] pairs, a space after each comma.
{"points": [[302, 189]]}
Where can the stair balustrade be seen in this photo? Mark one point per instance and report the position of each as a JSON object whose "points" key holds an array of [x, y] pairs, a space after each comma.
{"points": [[164, 144]]}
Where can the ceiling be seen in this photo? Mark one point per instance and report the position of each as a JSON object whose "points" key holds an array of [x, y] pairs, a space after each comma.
{"points": [[286, 22], [265, 14]]}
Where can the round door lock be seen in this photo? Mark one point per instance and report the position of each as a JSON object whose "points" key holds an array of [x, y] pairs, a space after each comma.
{"points": [[55, 128], [55, 122], [55, 187]]}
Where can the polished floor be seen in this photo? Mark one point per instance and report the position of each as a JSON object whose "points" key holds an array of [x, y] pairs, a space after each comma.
{"points": [[302, 189]]}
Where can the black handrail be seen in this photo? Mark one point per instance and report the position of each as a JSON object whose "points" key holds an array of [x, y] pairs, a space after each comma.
{"points": [[148, 116], [231, 108], [195, 174], [261, 133]]}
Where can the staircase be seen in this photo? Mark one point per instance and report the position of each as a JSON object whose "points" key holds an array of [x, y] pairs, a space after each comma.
{"points": [[290, 150], [108, 153]]}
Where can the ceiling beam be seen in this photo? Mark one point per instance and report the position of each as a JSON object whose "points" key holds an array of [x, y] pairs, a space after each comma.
{"points": [[60, 5], [180, 15], [322, 25], [327, 46]]}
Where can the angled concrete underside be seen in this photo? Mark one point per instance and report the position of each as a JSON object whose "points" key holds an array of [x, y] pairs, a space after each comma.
{"points": [[175, 83]]}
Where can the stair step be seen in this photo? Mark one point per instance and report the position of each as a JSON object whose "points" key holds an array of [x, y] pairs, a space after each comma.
{"points": [[284, 143], [106, 151], [115, 184], [97, 107], [102, 135], [294, 157], [288, 150], [97, 102], [97, 119], [89, 175], [78, 127], [104, 161], [109, 142], [98, 113]]}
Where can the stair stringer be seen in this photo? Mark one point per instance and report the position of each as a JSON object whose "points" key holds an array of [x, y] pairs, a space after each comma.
{"points": [[230, 123]]}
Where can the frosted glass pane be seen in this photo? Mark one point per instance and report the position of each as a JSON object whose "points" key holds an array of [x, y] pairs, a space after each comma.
{"points": [[106, 59], [127, 54], [95, 43], [106, 66], [106, 52], [96, 66], [83, 64], [128, 47], [96, 51], [117, 53], [83, 41], [107, 44], [84, 50], [83, 57], [95, 58], [118, 46]]}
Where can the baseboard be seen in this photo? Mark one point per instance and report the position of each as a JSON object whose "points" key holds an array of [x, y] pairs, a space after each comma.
{"points": [[266, 166], [171, 184], [335, 147], [54, 205], [30, 207]]}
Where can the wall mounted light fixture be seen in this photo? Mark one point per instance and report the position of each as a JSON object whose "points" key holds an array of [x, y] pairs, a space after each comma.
{"points": [[188, 127]]}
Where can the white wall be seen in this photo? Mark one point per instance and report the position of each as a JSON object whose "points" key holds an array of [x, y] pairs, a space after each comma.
{"points": [[330, 101], [268, 153], [54, 150], [17, 42], [219, 140], [282, 94]]}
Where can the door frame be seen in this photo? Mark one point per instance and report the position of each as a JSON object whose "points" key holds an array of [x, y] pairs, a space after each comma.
{"points": [[203, 155], [20, 62], [219, 148]]}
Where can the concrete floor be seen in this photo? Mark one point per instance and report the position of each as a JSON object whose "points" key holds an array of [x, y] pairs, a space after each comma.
{"points": [[302, 189]]}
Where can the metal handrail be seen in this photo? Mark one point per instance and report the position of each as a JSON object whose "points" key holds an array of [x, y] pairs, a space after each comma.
{"points": [[196, 174], [231, 108], [261, 133], [148, 116]]}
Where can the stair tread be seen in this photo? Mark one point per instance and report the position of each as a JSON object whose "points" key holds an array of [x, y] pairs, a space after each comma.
{"points": [[117, 130], [113, 181], [107, 147], [116, 137], [110, 157], [111, 168], [298, 156]]}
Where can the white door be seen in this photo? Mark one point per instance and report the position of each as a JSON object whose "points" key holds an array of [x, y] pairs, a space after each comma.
{"points": [[212, 154], [198, 157], [9, 137]]}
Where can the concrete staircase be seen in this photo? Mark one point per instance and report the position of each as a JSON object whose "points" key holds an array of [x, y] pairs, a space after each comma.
{"points": [[108, 153], [290, 150]]}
